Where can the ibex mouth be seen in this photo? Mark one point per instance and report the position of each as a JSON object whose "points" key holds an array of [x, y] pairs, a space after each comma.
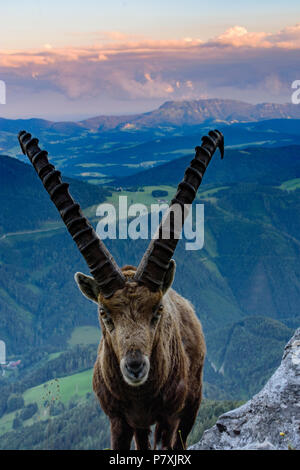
{"points": [[135, 369]]}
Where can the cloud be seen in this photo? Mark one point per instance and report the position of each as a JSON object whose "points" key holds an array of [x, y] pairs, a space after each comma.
{"points": [[287, 38], [117, 43], [238, 36], [253, 66]]}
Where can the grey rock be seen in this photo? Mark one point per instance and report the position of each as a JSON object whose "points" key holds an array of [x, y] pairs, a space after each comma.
{"points": [[270, 420]]}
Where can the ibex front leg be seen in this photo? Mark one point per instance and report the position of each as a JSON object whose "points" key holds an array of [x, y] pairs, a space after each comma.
{"points": [[121, 434], [165, 432], [141, 437]]}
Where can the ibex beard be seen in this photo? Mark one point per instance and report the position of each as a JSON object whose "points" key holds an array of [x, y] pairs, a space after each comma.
{"points": [[150, 361]]}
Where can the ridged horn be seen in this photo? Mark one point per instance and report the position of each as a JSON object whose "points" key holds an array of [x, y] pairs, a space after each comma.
{"points": [[100, 262], [155, 262]]}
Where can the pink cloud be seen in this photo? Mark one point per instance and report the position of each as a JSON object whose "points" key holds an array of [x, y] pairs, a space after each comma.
{"points": [[116, 43], [238, 36], [288, 38], [237, 64]]}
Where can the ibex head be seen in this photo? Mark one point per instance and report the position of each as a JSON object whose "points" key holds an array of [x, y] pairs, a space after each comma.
{"points": [[131, 301], [130, 320]]}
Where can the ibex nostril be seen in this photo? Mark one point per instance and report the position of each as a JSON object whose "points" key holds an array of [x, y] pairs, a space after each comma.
{"points": [[135, 366]]}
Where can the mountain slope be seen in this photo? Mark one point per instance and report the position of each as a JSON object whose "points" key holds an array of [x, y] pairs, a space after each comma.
{"points": [[24, 203], [262, 165], [246, 353]]}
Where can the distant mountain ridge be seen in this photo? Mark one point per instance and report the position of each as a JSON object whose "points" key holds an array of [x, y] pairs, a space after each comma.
{"points": [[174, 113], [189, 113], [105, 147]]}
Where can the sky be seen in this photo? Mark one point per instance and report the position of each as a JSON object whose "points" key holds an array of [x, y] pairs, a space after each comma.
{"points": [[70, 59]]}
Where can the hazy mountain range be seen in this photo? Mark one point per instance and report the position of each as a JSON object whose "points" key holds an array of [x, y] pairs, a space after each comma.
{"points": [[190, 113], [171, 113], [105, 147]]}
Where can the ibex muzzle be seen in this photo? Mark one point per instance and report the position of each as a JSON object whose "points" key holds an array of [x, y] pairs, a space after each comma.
{"points": [[135, 368]]}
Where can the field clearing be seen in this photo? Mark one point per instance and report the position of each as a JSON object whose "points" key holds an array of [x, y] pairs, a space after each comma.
{"points": [[56, 390], [62, 389], [212, 191], [85, 335], [290, 185], [143, 197]]}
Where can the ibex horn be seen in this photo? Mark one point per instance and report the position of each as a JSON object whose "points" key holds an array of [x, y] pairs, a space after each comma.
{"points": [[100, 262], [155, 262]]}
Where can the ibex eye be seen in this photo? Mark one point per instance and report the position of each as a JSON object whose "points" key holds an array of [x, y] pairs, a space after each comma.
{"points": [[105, 315], [104, 312], [157, 308]]}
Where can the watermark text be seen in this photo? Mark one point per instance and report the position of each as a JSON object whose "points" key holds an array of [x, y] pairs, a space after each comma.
{"points": [[296, 93], [137, 221], [2, 352], [2, 92]]}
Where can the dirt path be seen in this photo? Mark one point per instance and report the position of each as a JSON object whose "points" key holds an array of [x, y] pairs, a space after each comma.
{"points": [[28, 232]]}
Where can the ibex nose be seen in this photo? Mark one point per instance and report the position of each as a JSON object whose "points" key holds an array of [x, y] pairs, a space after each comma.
{"points": [[135, 367]]}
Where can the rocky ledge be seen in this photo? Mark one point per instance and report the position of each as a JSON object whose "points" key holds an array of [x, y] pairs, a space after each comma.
{"points": [[270, 420]]}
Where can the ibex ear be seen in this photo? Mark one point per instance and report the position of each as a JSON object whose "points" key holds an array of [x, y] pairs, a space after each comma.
{"points": [[88, 286], [169, 276]]}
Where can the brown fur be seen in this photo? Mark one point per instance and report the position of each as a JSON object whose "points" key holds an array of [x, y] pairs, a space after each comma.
{"points": [[171, 396]]}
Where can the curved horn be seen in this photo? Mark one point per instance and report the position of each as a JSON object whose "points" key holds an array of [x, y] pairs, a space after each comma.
{"points": [[155, 262], [101, 264]]}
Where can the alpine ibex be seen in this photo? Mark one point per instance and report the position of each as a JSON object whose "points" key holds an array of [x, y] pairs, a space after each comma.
{"points": [[151, 355]]}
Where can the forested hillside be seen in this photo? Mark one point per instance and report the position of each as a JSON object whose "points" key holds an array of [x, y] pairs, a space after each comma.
{"points": [[267, 166], [25, 206]]}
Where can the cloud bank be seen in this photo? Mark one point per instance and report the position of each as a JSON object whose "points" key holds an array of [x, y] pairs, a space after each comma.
{"points": [[119, 73]]}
